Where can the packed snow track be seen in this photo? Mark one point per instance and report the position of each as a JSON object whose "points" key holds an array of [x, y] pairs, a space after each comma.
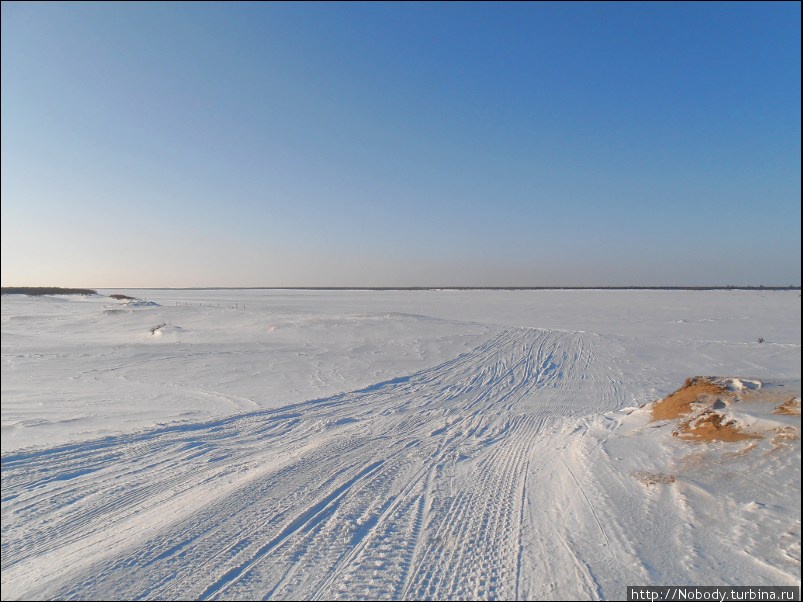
{"points": [[412, 488]]}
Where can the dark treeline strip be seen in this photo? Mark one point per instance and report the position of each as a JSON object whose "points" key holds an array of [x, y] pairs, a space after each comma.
{"points": [[46, 290]]}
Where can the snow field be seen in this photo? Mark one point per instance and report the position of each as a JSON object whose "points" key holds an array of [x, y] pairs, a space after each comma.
{"points": [[510, 462]]}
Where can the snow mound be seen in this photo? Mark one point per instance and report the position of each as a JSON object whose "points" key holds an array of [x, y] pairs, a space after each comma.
{"points": [[738, 384], [123, 305], [166, 332], [141, 303]]}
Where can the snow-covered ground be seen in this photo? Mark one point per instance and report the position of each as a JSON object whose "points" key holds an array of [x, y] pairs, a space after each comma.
{"points": [[384, 444]]}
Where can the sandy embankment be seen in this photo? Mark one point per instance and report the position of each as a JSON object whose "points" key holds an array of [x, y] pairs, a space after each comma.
{"points": [[712, 408]]}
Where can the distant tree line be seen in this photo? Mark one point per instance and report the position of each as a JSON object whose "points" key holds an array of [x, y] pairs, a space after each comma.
{"points": [[46, 290]]}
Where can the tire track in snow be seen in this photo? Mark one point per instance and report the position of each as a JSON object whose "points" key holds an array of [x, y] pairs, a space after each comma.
{"points": [[410, 488]]}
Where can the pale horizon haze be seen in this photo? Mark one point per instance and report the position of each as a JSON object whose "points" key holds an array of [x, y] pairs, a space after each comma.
{"points": [[437, 144]]}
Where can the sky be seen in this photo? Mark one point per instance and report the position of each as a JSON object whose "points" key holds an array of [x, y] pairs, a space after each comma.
{"points": [[412, 144]]}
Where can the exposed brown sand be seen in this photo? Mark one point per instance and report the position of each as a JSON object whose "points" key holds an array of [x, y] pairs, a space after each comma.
{"points": [[679, 403], [698, 400], [710, 426], [791, 407], [697, 403]]}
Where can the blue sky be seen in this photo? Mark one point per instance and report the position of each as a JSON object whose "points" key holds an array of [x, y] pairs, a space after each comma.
{"points": [[400, 144]]}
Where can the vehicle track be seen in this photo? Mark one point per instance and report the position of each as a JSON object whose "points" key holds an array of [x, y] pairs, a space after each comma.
{"points": [[411, 488]]}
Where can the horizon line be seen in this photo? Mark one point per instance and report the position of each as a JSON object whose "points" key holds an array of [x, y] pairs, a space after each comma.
{"points": [[431, 288]]}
